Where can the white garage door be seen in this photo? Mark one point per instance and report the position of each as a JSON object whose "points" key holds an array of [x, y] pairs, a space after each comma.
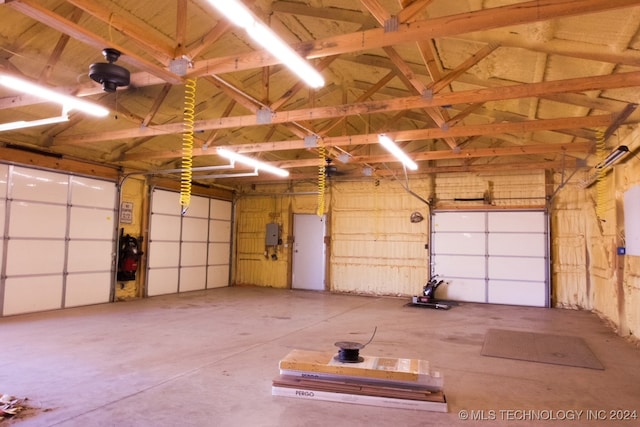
{"points": [[58, 240], [188, 252], [492, 256]]}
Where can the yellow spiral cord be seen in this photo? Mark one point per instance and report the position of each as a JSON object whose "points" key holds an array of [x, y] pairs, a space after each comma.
{"points": [[187, 144], [601, 188], [321, 179]]}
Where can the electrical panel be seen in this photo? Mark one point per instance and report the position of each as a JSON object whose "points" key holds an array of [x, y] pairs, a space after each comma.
{"points": [[273, 234]]}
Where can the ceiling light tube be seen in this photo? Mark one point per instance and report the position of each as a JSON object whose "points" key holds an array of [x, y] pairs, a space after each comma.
{"points": [[236, 12], [235, 157], [391, 146], [67, 101], [614, 157], [21, 124]]}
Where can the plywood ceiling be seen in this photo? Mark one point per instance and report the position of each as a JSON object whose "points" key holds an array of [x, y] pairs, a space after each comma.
{"points": [[465, 85]]}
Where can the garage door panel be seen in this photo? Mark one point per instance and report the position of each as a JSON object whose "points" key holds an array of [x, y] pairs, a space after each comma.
{"points": [[459, 221], [163, 281], [92, 192], [459, 266], [91, 223], [515, 268], [37, 185], [31, 294], [515, 244], [218, 276], [460, 243], [192, 243], [459, 289], [193, 254], [37, 220], [515, 253], [164, 254], [165, 227], [198, 207], [87, 288], [193, 278], [195, 229], [533, 222], [219, 231], [89, 256], [29, 257], [517, 293], [221, 209]]}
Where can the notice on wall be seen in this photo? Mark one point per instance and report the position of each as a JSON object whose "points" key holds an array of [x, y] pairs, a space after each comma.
{"points": [[126, 212], [632, 220]]}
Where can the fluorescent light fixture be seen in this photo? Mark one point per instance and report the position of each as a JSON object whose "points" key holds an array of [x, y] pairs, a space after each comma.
{"points": [[236, 12], [21, 124], [257, 164], [614, 157], [68, 102], [391, 146]]}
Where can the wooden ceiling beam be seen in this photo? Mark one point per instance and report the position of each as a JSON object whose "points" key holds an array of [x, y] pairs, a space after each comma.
{"points": [[155, 44], [519, 13], [464, 97], [407, 135], [39, 13]]}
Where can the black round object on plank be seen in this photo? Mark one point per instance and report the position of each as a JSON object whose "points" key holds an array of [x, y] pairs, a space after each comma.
{"points": [[349, 352]]}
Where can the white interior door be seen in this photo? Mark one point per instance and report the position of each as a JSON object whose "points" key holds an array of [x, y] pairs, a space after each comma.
{"points": [[308, 252]]}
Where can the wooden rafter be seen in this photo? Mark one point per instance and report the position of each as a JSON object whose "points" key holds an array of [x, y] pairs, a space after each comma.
{"points": [[464, 97]]}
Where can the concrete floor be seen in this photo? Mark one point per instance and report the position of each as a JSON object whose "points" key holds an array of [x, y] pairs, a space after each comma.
{"points": [[208, 359]]}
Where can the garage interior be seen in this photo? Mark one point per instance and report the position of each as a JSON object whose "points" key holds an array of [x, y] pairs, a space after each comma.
{"points": [[158, 262]]}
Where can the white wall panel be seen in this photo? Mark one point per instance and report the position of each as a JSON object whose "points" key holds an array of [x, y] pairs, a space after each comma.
{"points": [[28, 219], [92, 192], [162, 281], [164, 254], [29, 294], [193, 254], [193, 278], [164, 227], [87, 288], [194, 229], [221, 209], [86, 255], [90, 223], [29, 257], [37, 185], [218, 276]]}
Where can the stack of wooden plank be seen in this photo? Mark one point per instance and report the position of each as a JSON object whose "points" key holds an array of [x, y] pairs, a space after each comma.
{"points": [[378, 381]]}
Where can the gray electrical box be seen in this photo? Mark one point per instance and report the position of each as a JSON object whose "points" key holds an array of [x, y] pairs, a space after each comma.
{"points": [[273, 234]]}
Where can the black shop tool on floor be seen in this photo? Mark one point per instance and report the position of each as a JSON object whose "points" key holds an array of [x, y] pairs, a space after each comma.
{"points": [[428, 298]]}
